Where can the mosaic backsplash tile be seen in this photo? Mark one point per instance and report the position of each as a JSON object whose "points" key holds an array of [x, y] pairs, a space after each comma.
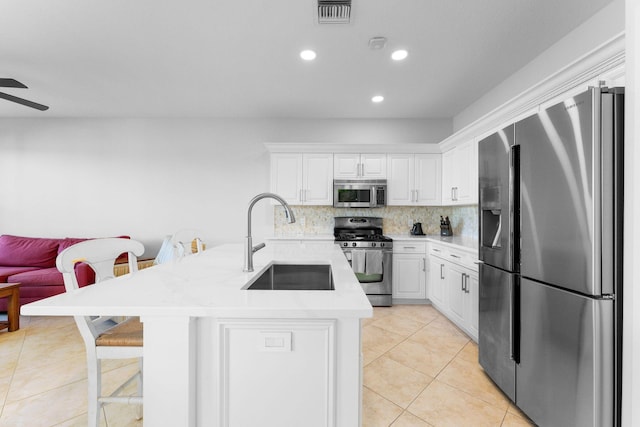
{"points": [[314, 220]]}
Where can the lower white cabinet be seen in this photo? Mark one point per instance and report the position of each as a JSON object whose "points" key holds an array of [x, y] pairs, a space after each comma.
{"points": [[472, 303], [409, 270], [437, 282], [453, 286]]}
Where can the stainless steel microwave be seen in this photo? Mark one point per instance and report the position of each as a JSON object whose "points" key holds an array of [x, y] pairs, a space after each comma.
{"points": [[359, 193]]}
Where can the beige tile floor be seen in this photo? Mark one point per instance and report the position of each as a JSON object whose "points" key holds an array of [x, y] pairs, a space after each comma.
{"points": [[43, 377], [420, 370]]}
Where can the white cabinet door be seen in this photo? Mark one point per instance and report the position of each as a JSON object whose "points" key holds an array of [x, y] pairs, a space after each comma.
{"points": [[437, 282], [413, 179], [471, 303], [317, 179], [346, 165], [460, 175], [400, 179], [303, 179], [455, 284], [374, 166], [286, 176], [284, 371], [359, 166], [427, 183], [409, 276], [467, 187]]}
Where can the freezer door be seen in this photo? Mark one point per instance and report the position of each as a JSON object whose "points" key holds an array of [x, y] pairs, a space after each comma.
{"points": [[496, 199], [566, 372], [496, 327], [566, 168]]}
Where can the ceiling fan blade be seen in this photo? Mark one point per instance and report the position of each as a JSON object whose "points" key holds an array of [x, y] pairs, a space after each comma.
{"points": [[23, 101], [11, 83]]}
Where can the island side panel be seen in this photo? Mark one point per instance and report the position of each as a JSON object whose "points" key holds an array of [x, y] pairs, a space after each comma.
{"points": [[169, 367], [349, 365]]}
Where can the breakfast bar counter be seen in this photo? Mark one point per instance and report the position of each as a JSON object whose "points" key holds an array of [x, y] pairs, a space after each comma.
{"points": [[218, 354]]}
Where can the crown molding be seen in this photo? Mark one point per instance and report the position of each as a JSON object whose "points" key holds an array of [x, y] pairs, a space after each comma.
{"points": [[314, 147], [583, 72]]}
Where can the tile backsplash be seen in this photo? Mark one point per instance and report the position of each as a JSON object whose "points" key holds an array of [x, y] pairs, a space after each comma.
{"points": [[314, 220]]}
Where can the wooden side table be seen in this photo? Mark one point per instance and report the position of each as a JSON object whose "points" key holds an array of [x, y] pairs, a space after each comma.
{"points": [[12, 292]]}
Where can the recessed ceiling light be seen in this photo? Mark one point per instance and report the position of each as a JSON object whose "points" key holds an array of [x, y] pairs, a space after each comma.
{"points": [[399, 55], [308, 55], [377, 98]]}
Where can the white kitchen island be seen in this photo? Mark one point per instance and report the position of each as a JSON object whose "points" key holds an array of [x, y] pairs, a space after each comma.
{"points": [[216, 354]]}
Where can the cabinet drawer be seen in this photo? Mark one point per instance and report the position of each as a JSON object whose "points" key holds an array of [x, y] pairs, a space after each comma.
{"points": [[409, 247], [463, 258], [439, 251]]}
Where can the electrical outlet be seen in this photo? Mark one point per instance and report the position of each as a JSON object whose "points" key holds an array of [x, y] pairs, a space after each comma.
{"points": [[303, 221], [410, 222]]}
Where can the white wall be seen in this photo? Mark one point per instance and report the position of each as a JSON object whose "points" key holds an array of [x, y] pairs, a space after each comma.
{"points": [[150, 177], [631, 308], [600, 28]]}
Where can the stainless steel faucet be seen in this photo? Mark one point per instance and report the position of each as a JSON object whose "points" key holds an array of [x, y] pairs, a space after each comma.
{"points": [[249, 249]]}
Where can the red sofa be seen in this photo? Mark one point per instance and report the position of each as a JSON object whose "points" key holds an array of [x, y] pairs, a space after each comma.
{"points": [[32, 262]]}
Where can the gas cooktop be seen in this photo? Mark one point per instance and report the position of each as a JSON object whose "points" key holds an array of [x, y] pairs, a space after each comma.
{"points": [[363, 232]]}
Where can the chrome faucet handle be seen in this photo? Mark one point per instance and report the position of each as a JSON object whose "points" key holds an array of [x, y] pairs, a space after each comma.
{"points": [[249, 249]]}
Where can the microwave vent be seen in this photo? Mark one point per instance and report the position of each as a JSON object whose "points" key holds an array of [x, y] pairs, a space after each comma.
{"points": [[334, 11]]}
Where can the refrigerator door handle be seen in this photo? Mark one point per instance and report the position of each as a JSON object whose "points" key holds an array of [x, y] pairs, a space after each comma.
{"points": [[514, 206], [514, 319]]}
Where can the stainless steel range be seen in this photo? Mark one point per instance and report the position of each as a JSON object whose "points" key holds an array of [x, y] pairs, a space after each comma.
{"points": [[370, 254]]}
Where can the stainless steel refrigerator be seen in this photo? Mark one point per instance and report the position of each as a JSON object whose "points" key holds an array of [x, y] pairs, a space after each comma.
{"points": [[550, 207]]}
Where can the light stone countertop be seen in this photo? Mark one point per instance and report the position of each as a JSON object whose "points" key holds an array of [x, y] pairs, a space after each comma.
{"points": [[467, 243], [303, 236], [210, 284]]}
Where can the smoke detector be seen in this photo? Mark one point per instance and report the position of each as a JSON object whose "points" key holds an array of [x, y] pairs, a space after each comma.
{"points": [[334, 11], [377, 43]]}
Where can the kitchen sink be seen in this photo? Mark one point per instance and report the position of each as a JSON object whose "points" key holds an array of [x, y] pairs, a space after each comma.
{"points": [[294, 277]]}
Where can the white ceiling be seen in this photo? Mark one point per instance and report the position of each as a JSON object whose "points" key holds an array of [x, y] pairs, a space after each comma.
{"points": [[239, 58]]}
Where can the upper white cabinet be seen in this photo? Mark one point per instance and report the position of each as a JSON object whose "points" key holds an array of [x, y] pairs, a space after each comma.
{"points": [[460, 175], [414, 179], [303, 178], [364, 166]]}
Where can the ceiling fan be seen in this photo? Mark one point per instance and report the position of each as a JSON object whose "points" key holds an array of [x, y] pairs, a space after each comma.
{"points": [[16, 84]]}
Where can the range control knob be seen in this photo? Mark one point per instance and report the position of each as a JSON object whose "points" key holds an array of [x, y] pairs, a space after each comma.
{"points": [[345, 244], [373, 244], [354, 244]]}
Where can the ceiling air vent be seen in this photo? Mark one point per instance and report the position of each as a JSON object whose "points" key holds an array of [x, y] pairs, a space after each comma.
{"points": [[334, 11]]}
